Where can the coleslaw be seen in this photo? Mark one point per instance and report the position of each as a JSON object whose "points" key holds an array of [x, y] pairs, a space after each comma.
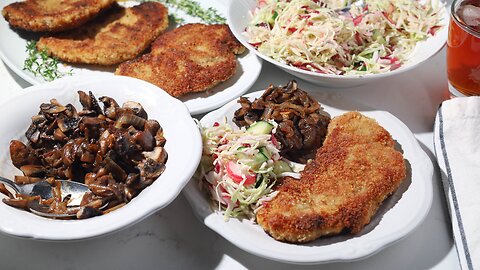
{"points": [[374, 36], [240, 167]]}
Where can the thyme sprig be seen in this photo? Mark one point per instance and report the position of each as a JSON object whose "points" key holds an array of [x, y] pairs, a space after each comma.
{"points": [[176, 19], [193, 8], [40, 63]]}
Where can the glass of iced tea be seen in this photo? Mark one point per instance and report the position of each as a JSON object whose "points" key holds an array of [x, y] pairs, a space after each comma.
{"points": [[463, 48]]}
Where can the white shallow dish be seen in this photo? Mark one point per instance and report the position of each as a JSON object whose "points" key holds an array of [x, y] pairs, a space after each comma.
{"points": [[13, 45], [180, 130], [239, 16], [399, 215]]}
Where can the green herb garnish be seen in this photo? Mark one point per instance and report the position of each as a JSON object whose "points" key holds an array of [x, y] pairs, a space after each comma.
{"points": [[40, 63], [193, 8], [275, 15], [176, 19]]}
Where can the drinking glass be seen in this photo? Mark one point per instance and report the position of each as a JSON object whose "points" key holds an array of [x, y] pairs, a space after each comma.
{"points": [[463, 48]]}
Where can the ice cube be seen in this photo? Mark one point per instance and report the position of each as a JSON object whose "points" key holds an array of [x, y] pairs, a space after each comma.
{"points": [[470, 15]]}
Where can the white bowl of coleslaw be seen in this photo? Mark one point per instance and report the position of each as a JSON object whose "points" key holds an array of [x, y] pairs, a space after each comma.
{"points": [[338, 47]]}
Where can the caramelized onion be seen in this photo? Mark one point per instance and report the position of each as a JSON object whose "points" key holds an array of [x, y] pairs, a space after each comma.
{"points": [[302, 123]]}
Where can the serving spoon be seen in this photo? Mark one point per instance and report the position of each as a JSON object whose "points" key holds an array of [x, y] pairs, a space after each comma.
{"points": [[69, 189]]}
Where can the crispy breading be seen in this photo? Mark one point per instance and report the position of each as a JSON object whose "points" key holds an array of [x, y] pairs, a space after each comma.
{"points": [[118, 35], [53, 15], [179, 72], [190, 58], [199, 37], [353, 172]]}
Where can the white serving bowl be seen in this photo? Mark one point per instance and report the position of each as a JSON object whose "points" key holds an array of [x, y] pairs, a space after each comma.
{"points": [[184, 148], [239, 14]]}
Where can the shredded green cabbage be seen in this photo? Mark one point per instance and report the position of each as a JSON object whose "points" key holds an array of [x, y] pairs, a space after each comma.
{"points": [[239, 169], [318, 35]]}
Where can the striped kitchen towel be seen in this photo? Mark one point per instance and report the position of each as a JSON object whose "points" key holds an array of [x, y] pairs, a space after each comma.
{"points": [[457, 147]]}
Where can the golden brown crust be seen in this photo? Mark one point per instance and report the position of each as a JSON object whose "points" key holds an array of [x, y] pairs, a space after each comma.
{"points": [[118, 35], [353, 172], [178, 72], [364, 129], [197, 36], [191, 58], [53, 15]]}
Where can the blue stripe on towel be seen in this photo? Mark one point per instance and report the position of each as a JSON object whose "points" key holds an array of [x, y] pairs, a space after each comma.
{"points": [[452, 189]]}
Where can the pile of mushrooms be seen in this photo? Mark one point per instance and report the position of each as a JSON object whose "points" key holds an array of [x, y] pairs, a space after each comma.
{"points": [[302, 123], [117, 151]]}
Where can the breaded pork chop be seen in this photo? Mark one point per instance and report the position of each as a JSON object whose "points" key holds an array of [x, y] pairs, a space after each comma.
{"points": [[199, 37], [340, 191], [53, 15], [118, 35], [191, 58]]}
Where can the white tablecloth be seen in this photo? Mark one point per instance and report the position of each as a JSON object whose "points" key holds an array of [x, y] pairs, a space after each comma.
{"points": [[174, 239]]}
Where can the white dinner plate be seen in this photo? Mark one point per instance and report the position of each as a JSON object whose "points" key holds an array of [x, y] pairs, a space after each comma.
{"points": [[183, 146], [399, 214], [13, 53]]}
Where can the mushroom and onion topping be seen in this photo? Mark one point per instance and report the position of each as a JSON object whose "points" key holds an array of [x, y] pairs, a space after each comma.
{"points": [[302, 123], [116, 151]]}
